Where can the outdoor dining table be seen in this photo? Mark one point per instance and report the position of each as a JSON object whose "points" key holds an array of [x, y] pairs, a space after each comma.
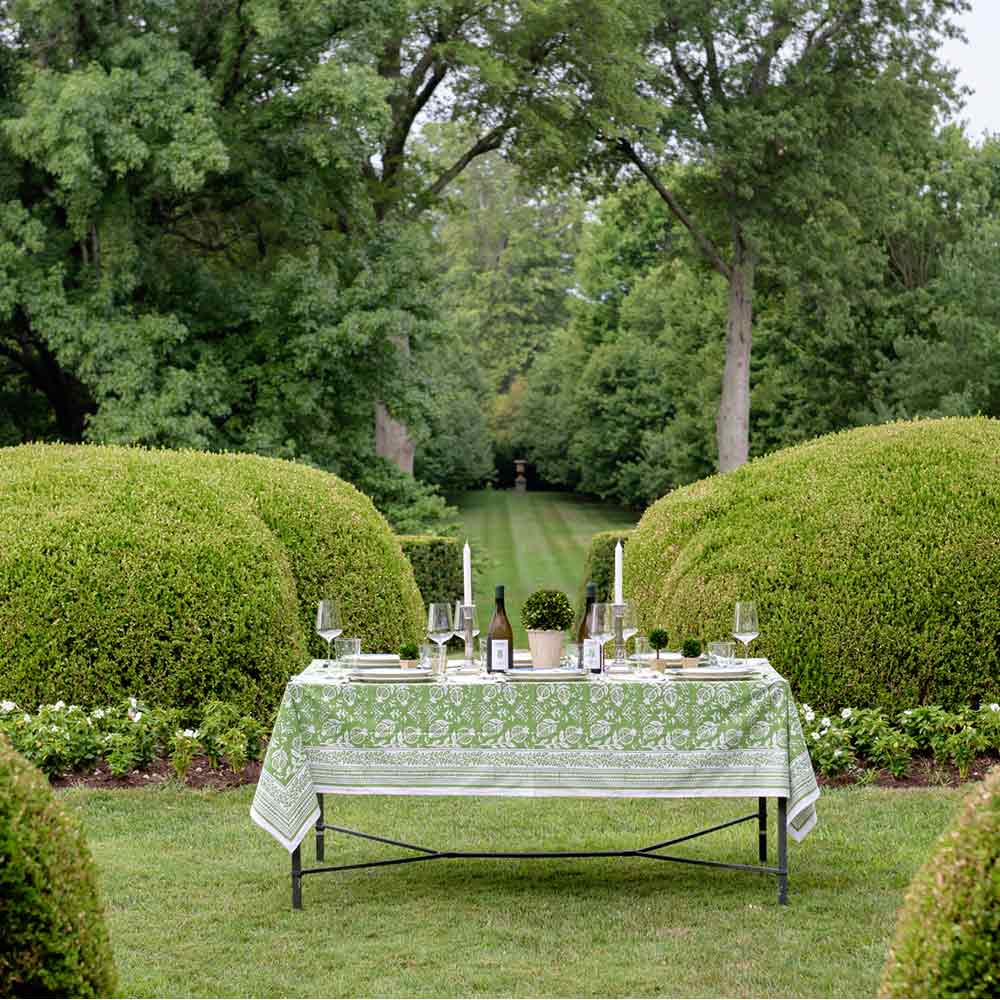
{"points": [[650, 735]]}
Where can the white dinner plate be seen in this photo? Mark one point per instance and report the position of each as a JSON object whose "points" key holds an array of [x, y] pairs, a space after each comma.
{"points": [[376, 675]]}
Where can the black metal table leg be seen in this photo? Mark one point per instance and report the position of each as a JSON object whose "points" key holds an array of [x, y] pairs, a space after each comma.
{"points": [[297, 878], [320, 847], [762, 829], [783, 851]]}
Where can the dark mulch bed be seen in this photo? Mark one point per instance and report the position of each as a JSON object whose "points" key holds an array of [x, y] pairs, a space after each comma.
{"points": [[923, 773], [201, 775]]}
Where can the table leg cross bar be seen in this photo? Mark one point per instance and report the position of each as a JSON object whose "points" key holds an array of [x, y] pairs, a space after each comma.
{"points": [[430, 854]]}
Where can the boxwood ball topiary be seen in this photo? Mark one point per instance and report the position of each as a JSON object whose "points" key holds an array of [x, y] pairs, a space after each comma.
{"points": [[947, 941], [180, 577], [54, 940], [873, 556]]}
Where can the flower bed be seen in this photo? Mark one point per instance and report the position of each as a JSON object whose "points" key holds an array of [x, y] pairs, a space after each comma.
{"points": [[127, 738], [858, 744]]}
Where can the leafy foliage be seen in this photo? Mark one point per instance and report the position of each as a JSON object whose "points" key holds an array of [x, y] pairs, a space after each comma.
{"points": [[856, 544], [947, 941], [180, 577], [547, 610], [437, 566], [599, 567], [55, 942]]}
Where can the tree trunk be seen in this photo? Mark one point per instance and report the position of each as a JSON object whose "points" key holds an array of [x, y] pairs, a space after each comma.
{"points": [[732, 425], [392, 440]]}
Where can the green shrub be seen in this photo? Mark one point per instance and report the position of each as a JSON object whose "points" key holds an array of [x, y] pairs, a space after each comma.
{"points": [[872, 555], [437, 566], [54, 940], [600, 564], [180, 577], [547, 609], [947, 941]]}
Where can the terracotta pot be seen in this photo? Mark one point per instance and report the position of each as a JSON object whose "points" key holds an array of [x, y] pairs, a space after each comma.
{"points": [[690, 661], [546, 647], [408, 664]]}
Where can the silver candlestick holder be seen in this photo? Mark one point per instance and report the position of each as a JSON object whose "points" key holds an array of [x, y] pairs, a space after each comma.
{"points": [[619, 636], [468, 627]]}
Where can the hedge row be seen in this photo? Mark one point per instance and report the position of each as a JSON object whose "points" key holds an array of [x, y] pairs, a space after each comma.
{"points": [[600, 564], [180, 577], [873, 555], [437, 566]]}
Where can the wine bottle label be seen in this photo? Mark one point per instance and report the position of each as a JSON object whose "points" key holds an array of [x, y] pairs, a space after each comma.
{"points": [[591, 655], [499, 654]]}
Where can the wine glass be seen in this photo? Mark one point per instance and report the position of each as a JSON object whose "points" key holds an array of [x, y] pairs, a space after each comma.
{"points": [[745, 628], [440, 627], [328, 624], [602, 624]]}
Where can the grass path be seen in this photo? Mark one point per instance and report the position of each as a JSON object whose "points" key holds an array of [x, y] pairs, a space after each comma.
{"points": [[531, 540], [198, 898]]}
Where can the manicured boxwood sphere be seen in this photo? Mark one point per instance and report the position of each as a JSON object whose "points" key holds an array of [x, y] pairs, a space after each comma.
{"points": [[947, 940], [179, 576], [54, 940], [873, 556]]}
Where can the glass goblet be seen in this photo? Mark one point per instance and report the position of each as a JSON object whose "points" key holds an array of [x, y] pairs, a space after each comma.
{"points": [[440, 625], [745, 628], [328, 624]]}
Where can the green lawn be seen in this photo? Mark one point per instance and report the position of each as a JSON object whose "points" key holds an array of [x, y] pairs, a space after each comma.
{"points": [[198, 899], [533, 540]]}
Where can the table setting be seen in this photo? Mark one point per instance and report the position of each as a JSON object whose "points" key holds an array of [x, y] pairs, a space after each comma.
{"points": [[491, 721]]}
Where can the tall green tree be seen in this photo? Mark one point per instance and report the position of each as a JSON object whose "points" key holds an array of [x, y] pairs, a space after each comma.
{"points": [[795, 110]]}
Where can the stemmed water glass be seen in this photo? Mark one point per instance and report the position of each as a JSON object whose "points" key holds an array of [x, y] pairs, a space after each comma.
{"points": [[602, 624], [328, 624], [440, 626], [745, 628]]}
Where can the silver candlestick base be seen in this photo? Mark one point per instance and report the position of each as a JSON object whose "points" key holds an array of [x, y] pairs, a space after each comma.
{"points": [[468, 623], [619, 614]]}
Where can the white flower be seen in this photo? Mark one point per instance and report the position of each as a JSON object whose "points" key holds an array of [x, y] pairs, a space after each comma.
{"points": [[191, 734], [7, 706], [825, 722], [27, 718], [136, 717], [846, 713], [838, 753], [810, 715], [908, 712], [815, 735], [133, 703], [805, 707], [98, 713], [59, 705], [994, 707], [54, 729]]}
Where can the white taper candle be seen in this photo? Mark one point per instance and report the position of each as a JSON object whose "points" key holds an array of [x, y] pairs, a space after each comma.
{"points": [[467, 573], [618, 573]]}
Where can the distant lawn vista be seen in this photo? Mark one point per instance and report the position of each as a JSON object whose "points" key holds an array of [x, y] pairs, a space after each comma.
{"points": [[530, 540]]}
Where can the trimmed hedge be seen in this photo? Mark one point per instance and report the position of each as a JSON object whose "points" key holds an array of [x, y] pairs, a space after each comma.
{"points": [[873, 555], [179, 577], [54, 940], [600, 564], [947, 941], [437, 566]]}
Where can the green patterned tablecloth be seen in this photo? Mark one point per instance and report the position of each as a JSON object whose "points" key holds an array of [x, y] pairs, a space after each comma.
{"points": [[628, 737]]}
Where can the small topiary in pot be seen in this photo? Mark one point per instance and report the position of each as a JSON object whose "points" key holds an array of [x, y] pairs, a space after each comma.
{"points": [[546, 615], [658, 639], [691, 652], [408, 654]]}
